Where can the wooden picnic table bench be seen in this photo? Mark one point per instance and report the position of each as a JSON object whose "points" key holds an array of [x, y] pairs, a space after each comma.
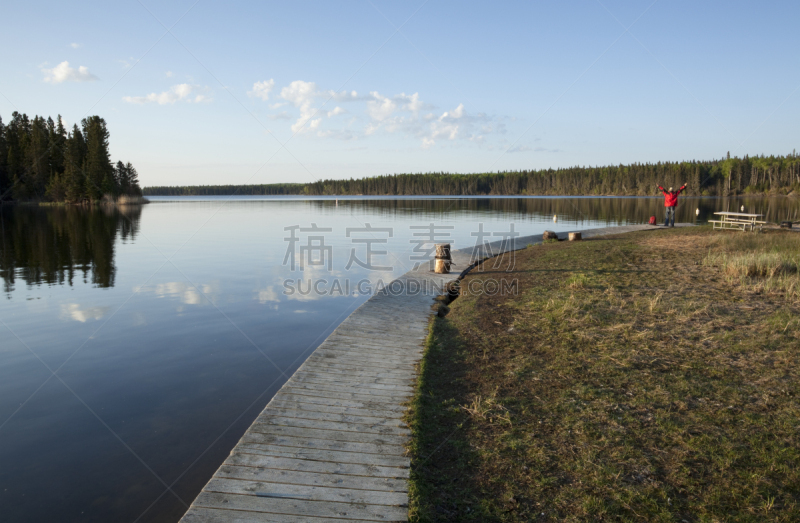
{"points": [[737, 220]]}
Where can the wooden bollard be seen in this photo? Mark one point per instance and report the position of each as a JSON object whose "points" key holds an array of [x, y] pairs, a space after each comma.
{"points": [[575, 237], [442, 260]]}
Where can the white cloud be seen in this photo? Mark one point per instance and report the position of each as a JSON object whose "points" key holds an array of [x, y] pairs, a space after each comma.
{"points": [[380, 108], [336, 111], [64, 73], [344, 96], [397, 114], [169, 74], [447, 125], [74, 45], [75, 312], [262, 89], [413, 103], [301, 94], [186, 293], [268, 294], [176, 93]]}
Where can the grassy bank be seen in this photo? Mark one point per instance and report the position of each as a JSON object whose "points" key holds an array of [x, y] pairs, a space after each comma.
{"points": [[647, 377]]}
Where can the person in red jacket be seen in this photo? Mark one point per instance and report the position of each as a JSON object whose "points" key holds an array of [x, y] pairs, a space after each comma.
{"points": [[670, 202]]}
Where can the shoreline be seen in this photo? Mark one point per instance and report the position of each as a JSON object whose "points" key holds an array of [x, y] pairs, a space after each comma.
{"points": [[140, 200]]}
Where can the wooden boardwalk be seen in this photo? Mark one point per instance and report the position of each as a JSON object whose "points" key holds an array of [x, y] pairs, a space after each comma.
{"points": [[329, 446]]}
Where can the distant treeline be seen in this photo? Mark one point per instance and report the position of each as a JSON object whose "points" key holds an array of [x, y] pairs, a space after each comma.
{"points": [[41, 160], [223, 190], [779, 174], [729, 176]]}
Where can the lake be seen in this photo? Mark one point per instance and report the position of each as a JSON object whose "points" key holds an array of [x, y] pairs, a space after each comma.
{"points": [[138, 344]]}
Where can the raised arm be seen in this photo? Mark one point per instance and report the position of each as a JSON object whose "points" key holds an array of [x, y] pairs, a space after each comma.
{"points": [[682, 188]]}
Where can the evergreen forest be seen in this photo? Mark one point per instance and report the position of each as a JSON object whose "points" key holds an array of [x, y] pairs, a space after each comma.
{"points": [[40, 160]]}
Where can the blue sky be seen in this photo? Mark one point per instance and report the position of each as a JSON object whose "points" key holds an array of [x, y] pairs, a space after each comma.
{"points": [[262, 92]]}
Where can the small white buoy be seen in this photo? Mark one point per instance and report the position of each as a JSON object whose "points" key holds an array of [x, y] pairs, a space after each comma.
{"points": [[555, 218], [697, 212], [742, 208]]}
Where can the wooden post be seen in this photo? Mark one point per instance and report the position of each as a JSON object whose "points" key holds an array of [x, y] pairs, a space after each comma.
{"points": [[443, 259], [574, 236], [549, 235]]}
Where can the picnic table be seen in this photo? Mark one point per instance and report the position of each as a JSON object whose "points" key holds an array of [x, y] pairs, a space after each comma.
{"points": [[737, 220]]}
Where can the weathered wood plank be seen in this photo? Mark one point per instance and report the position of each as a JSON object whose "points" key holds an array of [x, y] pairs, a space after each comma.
{"points": [[314, 479], [374, 393], [267, 434], [355, 359], [341, 403], [349, 357], [337, 426], [324, 373], [387, 361], [324, 455], [272, 463], [389, 374], [375, 384], [304, 413], [223, 515], [305, 492], [379, 372], [294, 507], [299, 390], [285, 404], [408, 353]]}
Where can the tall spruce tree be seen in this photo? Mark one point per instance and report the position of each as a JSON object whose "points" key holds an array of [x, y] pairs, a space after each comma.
{"points": [[99, 170], [5, 182], [74, 158]]}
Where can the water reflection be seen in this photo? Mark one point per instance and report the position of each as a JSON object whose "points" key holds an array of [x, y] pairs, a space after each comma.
{"points": [[53, 244]]}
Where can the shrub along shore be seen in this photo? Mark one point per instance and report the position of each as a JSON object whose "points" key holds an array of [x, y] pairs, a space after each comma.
{"points": [[651, 376]]}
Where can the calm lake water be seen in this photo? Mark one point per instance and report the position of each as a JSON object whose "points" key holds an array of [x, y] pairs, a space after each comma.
{"points": [[137, 345]]}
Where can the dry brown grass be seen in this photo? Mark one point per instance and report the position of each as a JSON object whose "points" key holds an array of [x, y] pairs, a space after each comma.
{"points": [[768, 262], [629, 381]]}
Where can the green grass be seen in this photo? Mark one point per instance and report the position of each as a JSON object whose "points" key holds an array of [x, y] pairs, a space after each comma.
{"points": [[630, 380]]}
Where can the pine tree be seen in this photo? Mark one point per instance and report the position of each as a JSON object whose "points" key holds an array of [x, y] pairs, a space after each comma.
{"points": [[74, 177], [97, 165], [120, 177], [5, 182], [57, 137], [132, 180], [37, 161]]}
